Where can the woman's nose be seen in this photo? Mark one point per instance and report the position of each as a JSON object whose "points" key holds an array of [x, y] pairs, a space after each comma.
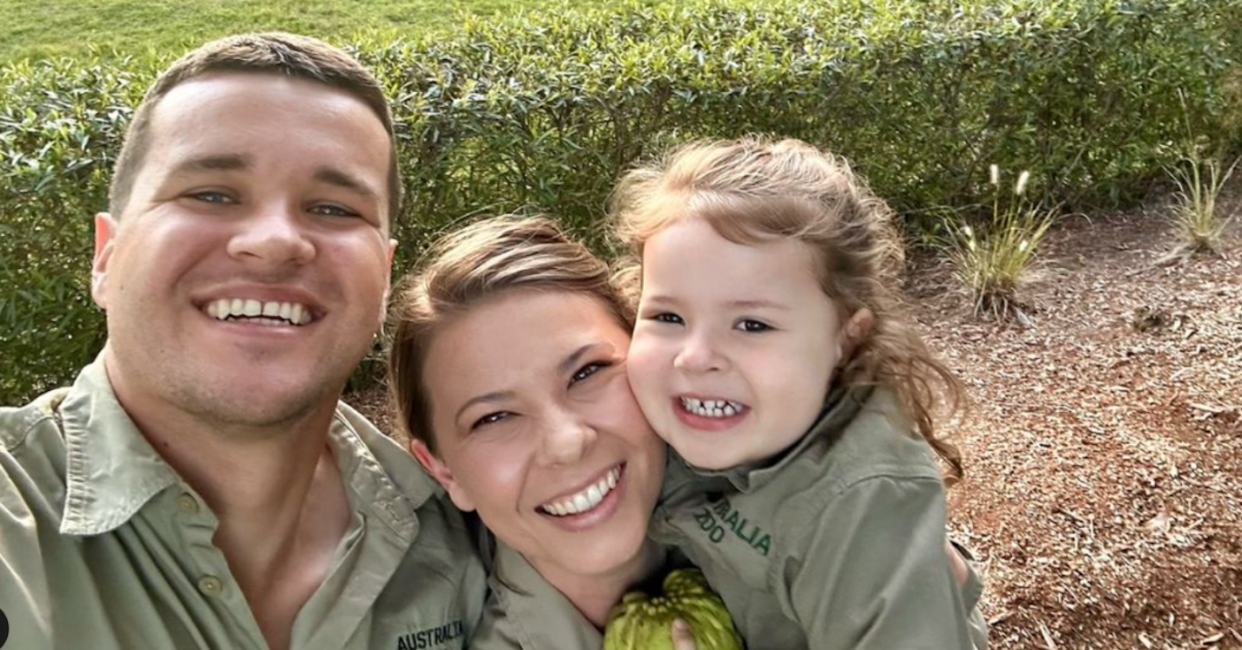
{"points": [[567, 439]]}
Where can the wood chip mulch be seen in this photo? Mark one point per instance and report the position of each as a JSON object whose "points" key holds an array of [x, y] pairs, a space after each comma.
{"points": [[1103, 485]]}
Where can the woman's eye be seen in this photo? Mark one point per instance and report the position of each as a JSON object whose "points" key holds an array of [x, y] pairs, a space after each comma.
{"points": [[586, 371], [751, 325], [668, 317], [490, 418]]}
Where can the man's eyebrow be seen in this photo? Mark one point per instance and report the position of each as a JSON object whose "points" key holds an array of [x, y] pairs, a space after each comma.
{"points": [[221, 162], [341, 179], [497, 396]]}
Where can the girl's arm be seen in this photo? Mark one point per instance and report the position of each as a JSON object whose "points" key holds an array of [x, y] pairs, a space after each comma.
{"points": [[873, 573]]}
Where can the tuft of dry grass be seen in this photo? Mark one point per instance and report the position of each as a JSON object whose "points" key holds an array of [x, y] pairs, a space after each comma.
{"points": [[1196, 219], [993, 261]]}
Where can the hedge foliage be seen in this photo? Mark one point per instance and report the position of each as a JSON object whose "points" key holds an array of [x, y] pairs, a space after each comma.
{"points": [[542, 112]]}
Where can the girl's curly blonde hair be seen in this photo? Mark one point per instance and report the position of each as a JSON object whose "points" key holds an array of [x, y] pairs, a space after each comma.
{"points": [[756, 190]]}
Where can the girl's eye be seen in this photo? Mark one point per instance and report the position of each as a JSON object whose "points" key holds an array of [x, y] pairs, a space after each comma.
{"points": [[668, 317], [490, 418], [586, 371], [332, 210], [751, 325]]}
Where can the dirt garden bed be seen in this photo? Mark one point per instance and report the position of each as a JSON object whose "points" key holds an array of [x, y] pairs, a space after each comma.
{"points": [[1104, 445]]}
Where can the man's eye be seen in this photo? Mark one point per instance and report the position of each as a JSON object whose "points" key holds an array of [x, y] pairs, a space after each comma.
{"points": [[490, 418], [668, 317], [212, 197], [751, 325], [333, 210], [586, 371]]}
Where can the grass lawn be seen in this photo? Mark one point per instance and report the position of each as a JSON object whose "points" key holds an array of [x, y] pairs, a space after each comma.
{"points": [[44, 28]]}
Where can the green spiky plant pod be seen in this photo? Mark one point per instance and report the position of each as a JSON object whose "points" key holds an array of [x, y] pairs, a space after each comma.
{"points": [[644, 622]]}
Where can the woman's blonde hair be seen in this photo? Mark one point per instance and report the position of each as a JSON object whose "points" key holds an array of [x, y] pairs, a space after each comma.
{"points": [[466, 267], [756, 190]]}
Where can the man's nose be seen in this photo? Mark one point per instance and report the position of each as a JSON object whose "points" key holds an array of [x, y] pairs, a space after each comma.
{"points": [[273, 236]]}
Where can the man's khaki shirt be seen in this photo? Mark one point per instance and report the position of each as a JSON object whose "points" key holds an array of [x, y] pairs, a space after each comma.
{"points": [[104, 546], [839, 544]]}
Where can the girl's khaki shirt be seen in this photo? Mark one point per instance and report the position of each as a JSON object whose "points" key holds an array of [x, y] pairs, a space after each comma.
{"points": [[839, 544]]}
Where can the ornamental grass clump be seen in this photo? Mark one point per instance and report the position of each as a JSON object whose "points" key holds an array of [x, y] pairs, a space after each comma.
{"points": [[1197, 221], [994, 260]]}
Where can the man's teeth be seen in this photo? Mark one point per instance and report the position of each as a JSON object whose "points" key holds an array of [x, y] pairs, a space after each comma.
{"points": [[711, 408], [586, 499], [268, 313]]}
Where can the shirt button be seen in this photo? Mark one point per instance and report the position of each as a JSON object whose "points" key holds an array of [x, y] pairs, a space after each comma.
{"points": [[187, 504], [210, 585]]}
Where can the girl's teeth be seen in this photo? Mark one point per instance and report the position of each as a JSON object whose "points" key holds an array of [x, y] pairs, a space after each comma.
{"points": [[711, 408], [586, 499]]}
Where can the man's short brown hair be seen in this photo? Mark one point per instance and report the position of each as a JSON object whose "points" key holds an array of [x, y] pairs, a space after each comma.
{"points": [[300, 57]]}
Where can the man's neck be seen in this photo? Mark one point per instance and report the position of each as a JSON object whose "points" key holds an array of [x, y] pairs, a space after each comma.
{"points": [[278, 494]]}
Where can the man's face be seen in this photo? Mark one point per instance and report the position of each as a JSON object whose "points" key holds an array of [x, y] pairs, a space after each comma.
{"points": [[248, 274]]}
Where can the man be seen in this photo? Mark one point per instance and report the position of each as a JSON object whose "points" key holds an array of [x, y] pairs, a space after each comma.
{"points": [[199, 486]]}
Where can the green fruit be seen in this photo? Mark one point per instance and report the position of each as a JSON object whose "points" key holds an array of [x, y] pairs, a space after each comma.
{"points": [[642, 622]]}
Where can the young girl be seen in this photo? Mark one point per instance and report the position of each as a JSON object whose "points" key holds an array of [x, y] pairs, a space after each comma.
{"points": [[770, 353]]}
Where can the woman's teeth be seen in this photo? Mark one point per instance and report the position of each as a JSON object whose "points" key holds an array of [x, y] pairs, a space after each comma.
{"points": [[586, 499], [711, 408]]}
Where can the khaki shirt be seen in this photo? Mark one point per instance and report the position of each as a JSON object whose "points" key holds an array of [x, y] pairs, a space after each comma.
{"points": [[838, 544], [104, 546], [525, 612]]}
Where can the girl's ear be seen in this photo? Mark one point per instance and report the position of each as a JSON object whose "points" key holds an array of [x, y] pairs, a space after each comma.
{"points": [[856, 330], [442, 474]]}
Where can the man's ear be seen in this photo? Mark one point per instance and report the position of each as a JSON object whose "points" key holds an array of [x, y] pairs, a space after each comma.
{"points": [[442, 474], [105, 241]]}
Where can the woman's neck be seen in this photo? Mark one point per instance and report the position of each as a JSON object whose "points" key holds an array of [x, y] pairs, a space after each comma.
{"points": [[595, 595]]}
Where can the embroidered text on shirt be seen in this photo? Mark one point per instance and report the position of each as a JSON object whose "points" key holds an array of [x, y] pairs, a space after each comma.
{"points": [[716, 516]]}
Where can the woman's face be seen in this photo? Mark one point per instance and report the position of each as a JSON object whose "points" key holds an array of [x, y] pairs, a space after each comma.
{"points": [[538, 432]]}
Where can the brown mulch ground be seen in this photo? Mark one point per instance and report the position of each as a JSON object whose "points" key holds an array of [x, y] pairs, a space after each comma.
{"points": [[1104, 443]]}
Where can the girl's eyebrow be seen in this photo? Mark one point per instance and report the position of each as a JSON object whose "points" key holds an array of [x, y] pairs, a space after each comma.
{"points": [[758, 304]]}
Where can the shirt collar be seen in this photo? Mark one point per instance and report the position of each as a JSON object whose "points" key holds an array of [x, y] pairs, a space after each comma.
{"points": [[544, 616], [113, 471], [383, 477], [840, 407]]}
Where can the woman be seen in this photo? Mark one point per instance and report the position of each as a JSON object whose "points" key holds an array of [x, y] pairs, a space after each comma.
{"points": [[507, 370]]}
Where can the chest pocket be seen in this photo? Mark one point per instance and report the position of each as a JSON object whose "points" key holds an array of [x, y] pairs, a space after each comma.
{"points": [[720, 535]]}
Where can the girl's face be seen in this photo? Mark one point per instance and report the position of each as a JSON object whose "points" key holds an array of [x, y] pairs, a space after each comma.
{"points": [[538, 432], [735, 345]]}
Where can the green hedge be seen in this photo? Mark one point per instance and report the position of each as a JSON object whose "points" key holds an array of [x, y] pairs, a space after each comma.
{"points": [[543, 112]]}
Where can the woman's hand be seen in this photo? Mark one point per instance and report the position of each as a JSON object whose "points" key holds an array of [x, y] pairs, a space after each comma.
{"points": [[683, 638]]}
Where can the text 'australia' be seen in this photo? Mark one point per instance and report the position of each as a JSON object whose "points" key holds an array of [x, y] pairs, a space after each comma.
{"points": [[718, 518], [432, 637]]}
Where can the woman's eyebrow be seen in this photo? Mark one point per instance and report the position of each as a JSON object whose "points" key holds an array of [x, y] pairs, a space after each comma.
{"points": [[572, 360], [498, 396]]}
